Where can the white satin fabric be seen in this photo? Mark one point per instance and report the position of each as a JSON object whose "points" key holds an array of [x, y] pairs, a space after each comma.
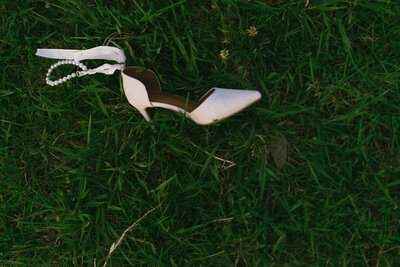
{"points": [[99, 52]]}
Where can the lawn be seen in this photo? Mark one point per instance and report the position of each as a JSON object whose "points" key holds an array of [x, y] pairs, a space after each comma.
{"points": [[307, 176]]}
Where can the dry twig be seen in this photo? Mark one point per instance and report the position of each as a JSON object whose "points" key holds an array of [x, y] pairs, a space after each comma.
{"points": [[115, 245], [215, 157]]}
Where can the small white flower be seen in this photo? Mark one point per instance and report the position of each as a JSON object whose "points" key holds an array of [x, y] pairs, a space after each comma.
{"points": [[224, 54], [252, 31]]}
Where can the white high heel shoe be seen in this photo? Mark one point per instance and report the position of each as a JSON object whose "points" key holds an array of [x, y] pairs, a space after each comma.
{"points": [[143, 90]]}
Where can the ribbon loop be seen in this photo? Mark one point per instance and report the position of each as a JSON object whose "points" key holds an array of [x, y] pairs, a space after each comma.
{"points": [[99, 52], [71, 56]]}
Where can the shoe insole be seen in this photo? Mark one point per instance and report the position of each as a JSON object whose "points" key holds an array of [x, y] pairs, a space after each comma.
{"points": [[153, 87], [175, 100]]}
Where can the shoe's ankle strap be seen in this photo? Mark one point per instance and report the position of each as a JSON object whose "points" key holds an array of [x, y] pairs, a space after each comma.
{"points": [[71, 56]]}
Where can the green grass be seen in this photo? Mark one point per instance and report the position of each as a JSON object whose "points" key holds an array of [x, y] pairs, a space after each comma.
{"points": [[78, 165]]}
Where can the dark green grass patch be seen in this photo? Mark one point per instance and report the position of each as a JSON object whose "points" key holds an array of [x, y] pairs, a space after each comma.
{"points": [[78, 164]]}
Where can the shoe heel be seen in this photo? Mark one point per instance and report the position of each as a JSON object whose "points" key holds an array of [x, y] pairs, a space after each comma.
{"points": [[144, 113]]}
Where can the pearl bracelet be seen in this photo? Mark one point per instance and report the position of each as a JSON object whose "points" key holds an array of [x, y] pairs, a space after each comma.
{"points": [[66, 78]]}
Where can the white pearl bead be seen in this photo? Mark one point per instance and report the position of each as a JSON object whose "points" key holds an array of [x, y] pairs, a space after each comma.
{"points": [[66, 78]]}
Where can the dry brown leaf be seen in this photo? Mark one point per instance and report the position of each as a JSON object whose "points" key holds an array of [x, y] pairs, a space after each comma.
{"points": [[279, 152]]}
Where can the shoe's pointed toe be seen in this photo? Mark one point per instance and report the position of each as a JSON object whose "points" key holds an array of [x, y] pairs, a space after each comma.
{"points": [[220, 103]]}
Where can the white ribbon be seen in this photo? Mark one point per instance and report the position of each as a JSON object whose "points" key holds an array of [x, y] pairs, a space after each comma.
{"points": [[99, 52], [105, 69]]}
